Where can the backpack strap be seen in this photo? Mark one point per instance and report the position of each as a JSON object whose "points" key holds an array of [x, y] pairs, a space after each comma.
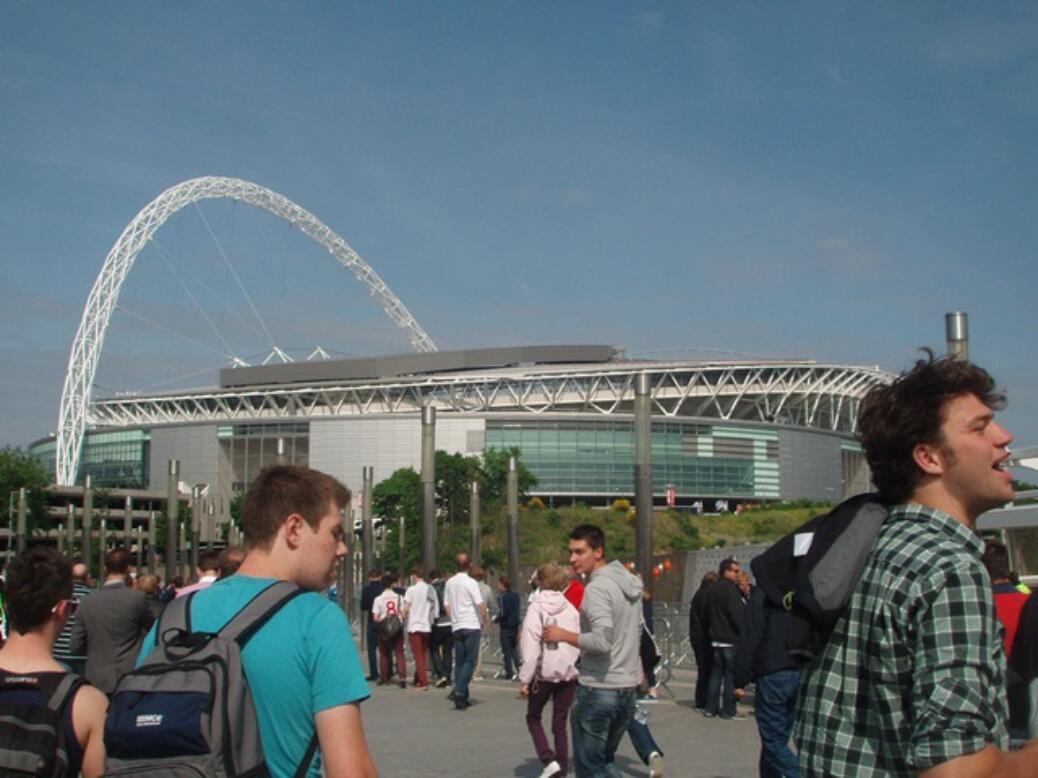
{"points": [[308, 757], [246, 622], [66, 687]]}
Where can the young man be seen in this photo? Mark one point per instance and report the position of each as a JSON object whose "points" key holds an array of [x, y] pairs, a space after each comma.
{"points": [[301, 666], [420, 608], [109, 625], [725, 608], [208, 571], [80, 589], [371, 590], [441, 642], [389, 603], [911, 681], [609, 641], [39, 601], [468, 613], [508, 619]]}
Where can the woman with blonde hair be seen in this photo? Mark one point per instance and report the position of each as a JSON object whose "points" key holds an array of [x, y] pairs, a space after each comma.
{"points": [[549, 670]]}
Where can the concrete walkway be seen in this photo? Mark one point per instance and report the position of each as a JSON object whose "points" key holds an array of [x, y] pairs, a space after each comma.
{"points": [[414, 733]]}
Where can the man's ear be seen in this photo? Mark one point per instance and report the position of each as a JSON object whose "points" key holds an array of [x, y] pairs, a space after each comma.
{"points": [[294, 530], [929, 458]]}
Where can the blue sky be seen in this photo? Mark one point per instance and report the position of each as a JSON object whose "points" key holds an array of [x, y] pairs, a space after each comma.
{"points": [[811, 180]]}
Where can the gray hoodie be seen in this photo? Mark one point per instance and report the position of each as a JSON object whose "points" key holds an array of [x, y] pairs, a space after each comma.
{"points": [[610, 628]]}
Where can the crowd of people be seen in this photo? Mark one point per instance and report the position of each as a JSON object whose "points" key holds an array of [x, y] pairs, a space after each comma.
{"points": [[912, 681]]}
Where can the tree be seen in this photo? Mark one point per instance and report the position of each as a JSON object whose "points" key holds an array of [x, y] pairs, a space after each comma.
{"points": [[20, 469], [400, 496], [493, 476], [454, 473]]}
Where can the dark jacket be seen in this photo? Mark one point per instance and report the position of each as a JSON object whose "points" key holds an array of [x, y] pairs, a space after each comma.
{"points": [[762, 647], [698, 617], [109, 626], [508, 609], [724, 607], [367, 597]]}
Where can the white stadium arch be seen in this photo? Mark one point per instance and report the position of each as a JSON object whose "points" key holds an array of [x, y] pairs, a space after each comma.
{"points": [[86, 348]]}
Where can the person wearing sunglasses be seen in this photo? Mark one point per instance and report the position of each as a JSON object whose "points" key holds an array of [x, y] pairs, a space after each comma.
{"points": [[39, 602]]}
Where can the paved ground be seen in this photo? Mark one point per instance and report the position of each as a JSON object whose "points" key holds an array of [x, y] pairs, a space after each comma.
{"points": [[415, 733]]}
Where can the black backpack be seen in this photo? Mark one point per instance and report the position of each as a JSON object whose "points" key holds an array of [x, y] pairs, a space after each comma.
{"points": [[32, 738], [187, 710], [391, 624], [812, 571]]}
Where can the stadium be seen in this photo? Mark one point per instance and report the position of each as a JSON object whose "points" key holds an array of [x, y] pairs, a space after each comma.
{"points": [[724, 432]]}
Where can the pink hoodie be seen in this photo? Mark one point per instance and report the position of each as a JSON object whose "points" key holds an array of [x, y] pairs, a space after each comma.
{"points": [[559, 664]]}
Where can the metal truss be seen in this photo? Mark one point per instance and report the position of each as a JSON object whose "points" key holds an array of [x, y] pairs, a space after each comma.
{"points": [[801, 394], [86, 348]]}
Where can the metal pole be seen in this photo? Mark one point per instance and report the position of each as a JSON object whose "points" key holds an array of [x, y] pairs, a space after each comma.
{"points": [[185, 573], [128, 522], [279, 455], [140, 549], [428, 487], [11, 511], [400, 551], [102, 547], [196, 524], [152, 562], [210, 523], [70, 530], [348, 563], [643, 477], [23, 506], [956, 332], [88, 526], [367, 537], [61, 539], [512, 489], [172, 517], [474, 550]]}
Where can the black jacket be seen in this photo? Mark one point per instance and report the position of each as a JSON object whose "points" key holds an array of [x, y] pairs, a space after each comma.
{"points": [[698, 617], [724, 609], [508, 613], [368, 594], [762, 647]]}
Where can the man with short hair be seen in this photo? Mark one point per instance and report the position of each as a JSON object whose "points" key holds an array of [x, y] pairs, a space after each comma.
{"points": [[80, 589], [208, 571], [371, 590], [724, 606], [109, 625], [441, 642], [609, 643], [230, 560], [467, 612], [389, 603], [911, 680], [421, 606], [480, 576], [39, 601], [301, 666]]}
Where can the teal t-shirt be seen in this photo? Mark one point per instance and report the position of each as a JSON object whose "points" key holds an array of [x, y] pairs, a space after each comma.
{"points": [[301, 662]]}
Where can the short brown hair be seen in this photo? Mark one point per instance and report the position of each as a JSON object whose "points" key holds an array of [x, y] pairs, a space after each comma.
{"points": [[117, 561], [551, 577], [283, 490], [36, 580], [895, 418]]}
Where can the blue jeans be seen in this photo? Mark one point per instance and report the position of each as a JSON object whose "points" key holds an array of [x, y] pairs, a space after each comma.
{"points": [[642, 740], [775, 702], [599, 719], [721, 671], [466, 652]]}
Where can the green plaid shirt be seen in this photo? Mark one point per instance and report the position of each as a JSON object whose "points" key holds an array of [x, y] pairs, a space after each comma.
{"points": [[913, 674]]}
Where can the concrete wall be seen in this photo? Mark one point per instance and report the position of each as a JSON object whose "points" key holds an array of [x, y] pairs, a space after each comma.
{"points": [[342, 447], [810, 465]]}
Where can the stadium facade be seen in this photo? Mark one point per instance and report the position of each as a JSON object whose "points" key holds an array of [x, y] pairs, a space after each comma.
{"points": [[732, 431]]}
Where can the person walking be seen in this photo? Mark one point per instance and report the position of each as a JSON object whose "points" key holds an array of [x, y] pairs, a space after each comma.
{"points": [[550, 670], [508, 619], [699, 637], [468, 612], [372, 589], [441, 640], [724, 611], [609, 638], [386, 605]]}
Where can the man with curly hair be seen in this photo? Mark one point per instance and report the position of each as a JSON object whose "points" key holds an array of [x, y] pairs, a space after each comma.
{"points": [[911, 681]]}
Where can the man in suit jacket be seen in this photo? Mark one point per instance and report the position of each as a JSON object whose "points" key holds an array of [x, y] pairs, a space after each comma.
{"points": [[110, 625]]}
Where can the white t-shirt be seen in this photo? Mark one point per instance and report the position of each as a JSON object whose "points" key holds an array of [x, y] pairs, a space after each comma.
{"points": [[463, 599], [419, 599], [386, 603]]}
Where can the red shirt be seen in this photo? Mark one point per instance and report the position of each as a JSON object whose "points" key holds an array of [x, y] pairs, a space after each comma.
{"points": [[574, 593], [1008, 604]]}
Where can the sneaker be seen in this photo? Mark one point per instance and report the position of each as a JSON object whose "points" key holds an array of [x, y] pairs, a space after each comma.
{"points": [[500, 674], [648, 698], [655, 765], [461, 704], [735, 717], [452, 696], [443, 683], [708, 715], [402, 684], [550, 769]]}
